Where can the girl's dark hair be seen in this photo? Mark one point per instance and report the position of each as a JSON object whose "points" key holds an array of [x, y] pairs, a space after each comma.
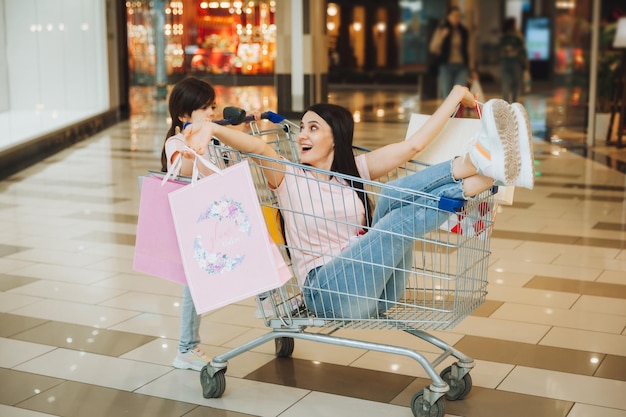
{"points": [[342, 127], [187, 95]]}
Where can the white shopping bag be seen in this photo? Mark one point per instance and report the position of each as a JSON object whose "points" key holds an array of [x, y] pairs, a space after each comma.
{"points": [[452, 141]]}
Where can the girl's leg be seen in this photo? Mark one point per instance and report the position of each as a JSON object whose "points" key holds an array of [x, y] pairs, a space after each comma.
{"points": [[352, 284], [189, 323]]}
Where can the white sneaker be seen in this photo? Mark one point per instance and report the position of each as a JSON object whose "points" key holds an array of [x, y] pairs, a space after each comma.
{"points": [[526, 177], [496, 153], [193, 359]]}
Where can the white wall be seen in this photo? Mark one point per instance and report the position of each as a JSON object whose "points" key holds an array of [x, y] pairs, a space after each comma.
{"points": [[4, 81], [56, 55]]}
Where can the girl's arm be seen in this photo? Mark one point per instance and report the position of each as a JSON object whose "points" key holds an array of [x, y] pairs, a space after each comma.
{"points": [[387, 158], [199, 135]]}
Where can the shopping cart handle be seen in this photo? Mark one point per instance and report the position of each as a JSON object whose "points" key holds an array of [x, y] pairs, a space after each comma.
{"points": [[235, 116]]}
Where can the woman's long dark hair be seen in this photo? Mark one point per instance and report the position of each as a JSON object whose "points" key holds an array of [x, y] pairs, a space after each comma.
{"points": [[187, 95], [342, 127]]}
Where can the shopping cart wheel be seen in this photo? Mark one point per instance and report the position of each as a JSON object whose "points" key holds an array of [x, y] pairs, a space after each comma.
{"points": [[213, 382], [459, 388], [422, 408], [284, 346]]}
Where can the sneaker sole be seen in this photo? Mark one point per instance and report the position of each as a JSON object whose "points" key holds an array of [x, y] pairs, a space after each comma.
{"points": [[185, 365], [505, 124], [526, 177]]}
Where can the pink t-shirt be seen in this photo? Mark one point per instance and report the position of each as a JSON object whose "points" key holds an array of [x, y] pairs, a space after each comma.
{"points": [[320, 216]]}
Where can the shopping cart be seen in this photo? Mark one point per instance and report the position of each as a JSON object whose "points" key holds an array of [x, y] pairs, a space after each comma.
{"points": [[443, 272]]}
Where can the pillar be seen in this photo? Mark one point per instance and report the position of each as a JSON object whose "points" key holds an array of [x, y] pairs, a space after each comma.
{"points": [[301, 55]]}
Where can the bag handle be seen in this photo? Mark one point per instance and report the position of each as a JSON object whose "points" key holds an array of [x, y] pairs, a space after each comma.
{"points": [[177, 165], [458, 113]]}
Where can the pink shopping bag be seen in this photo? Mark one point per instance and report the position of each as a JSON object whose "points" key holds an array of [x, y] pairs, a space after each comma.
{"points": [[156, 247], [226, 251]]}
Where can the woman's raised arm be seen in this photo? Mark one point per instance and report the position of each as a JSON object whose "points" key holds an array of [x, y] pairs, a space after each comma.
{"points": [[389, 157]]}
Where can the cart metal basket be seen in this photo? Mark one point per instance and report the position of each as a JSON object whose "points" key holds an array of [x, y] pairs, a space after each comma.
{"points": [[444, 272]]}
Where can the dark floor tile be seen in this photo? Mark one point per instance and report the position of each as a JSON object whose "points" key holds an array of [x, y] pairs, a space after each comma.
{"points": [[19, 386], [84, 338], [600, 289], [333, 379], [522, 204], [11, 324], [201, 411], [483, 402], [101, 216], [74, 399], [8, 282], [601, 243], [594, 197], [614, 227], [10, 249], [533, 356], [533, 237], [487, 309], [612, 367], [108, 237]]}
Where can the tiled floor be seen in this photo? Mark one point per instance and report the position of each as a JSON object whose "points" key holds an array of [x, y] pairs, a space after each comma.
{"points": [[82, 334]]}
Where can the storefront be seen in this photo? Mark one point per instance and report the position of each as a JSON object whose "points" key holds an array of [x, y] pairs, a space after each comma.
{"points": [[200, 38]]}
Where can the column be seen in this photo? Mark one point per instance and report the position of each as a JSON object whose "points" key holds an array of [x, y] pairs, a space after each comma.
{"points": [[301, 55]]}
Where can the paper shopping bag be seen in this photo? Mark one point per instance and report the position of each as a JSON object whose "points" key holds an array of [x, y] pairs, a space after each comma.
{"points": [[452, 141], [156, 247], [225, 247]]}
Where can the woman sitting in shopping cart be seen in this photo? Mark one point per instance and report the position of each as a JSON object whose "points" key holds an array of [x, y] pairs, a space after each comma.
{"points": [[351, 264]]}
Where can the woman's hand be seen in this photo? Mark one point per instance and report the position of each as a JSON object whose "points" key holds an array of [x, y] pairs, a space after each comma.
{"points": [[198, 135], [465, 97]]}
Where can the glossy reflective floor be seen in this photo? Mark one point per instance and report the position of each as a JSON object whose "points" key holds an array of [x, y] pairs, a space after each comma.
{"points": [[82, 334]]}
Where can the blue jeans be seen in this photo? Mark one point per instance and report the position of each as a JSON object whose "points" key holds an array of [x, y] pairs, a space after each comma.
{"points": [[370, 274], [451, 75], [189, 323], [511, 72]]}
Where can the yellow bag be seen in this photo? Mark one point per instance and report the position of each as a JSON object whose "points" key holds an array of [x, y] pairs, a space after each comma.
{"points": [[272, 220]]}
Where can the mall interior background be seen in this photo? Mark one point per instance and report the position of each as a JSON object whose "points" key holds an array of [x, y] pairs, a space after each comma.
{"points": [[69, 66]]}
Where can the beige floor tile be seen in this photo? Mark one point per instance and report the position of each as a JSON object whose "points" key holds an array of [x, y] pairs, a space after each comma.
{"points": [[319, 404], [602, 305], [11, 265], [142, 282], [572, 272], [67, 291], [612, 277], [56, 257], [255, 398], [14, 352], [586, 340], [502, 276], [560, 317], [585, 410], [78, 313], [8, 411], [591, 262], [142, 302], [11, 302], [94, 369], [501, 329], [63, 273], [568, 387], [530, 296]]}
